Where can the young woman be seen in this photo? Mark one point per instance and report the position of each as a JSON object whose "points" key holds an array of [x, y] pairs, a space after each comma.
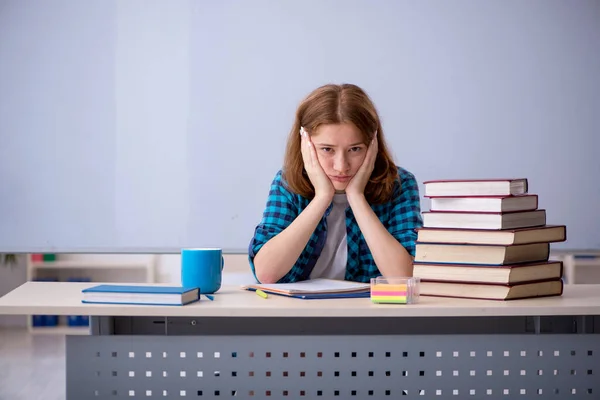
{"points": [[340, 208]]}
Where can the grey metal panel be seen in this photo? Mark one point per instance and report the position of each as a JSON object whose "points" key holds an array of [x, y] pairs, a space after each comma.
{"points": [[102, 325], [348, 326], [328, 366]]}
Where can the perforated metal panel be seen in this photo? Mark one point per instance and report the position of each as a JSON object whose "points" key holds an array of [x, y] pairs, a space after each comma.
{"points": [[346, 367]]}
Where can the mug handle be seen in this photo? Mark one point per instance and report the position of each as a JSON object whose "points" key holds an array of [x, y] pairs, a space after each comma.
{"points": [[222, 262]]}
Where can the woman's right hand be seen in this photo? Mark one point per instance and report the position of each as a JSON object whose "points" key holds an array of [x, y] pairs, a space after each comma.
{"points": [[323, 186]]}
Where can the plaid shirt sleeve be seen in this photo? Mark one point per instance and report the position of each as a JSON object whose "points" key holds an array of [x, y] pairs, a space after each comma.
{"points": [[279, 213], [405, 215]]}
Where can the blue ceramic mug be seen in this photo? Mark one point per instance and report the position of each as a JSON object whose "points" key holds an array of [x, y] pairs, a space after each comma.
{"points": [[202, 268]]}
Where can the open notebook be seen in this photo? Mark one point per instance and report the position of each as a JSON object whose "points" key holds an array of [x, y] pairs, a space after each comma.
{"points": [[315, 289]]}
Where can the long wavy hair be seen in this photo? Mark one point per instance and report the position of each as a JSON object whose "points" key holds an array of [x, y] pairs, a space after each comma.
{"points": [[335, 104]]}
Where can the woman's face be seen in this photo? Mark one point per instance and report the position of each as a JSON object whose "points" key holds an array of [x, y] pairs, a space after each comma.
{"points": [[341, 152]]}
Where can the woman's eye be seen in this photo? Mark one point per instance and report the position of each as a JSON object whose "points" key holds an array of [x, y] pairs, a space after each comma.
{"points": [[355, 149], [326, 149]]}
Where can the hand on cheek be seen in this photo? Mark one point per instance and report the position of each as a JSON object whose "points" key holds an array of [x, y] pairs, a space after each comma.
{"points": [[356, 186], [316, 174]]}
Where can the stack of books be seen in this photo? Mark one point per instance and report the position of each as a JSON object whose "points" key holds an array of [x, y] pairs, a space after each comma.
{"points": [[486, 239]]}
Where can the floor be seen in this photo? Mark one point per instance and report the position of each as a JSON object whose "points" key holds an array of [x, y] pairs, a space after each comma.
{"points": [[32, 367]]}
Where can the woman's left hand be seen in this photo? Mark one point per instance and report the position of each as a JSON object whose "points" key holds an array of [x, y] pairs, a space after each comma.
{"points": [[356, 186]]}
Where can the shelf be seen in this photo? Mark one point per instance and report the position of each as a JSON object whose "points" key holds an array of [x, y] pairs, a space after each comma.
{"points": [[86, 265], [60, 330], [96, 269], [586, 262]]}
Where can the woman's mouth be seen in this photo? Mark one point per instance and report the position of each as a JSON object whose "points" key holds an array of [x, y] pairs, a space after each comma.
{"points": [[340, 178]]}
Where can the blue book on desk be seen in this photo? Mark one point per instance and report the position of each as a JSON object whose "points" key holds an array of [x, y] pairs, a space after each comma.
{"points": [[142, 295]]}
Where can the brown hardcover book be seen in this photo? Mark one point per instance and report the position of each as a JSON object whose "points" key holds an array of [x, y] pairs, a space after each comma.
{"points": [[499, 274], [483, 220], [481, 254], [528, 202], [468, 290], [538, 234], [476, 187]]}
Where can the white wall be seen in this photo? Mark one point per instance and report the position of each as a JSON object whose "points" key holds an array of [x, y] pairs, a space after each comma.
{"points": [[158, 125]]}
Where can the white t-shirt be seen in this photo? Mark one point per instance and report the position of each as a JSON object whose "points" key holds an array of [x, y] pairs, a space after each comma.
{"points": [[332, 261]]}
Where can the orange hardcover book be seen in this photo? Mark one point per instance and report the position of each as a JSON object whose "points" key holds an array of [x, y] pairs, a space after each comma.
{"points": [[493, 274], [469, 290], [442, 253], [536, 234]]}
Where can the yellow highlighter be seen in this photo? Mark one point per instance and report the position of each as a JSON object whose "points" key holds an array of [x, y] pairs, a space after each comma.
{"points": [[261, 293]]}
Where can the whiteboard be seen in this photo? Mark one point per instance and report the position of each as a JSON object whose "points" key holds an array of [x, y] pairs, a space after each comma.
{"points": [[151, 126]]}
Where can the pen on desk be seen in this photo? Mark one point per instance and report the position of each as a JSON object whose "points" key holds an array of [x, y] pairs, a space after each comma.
{"points": [[211, 298], [261, 293]]}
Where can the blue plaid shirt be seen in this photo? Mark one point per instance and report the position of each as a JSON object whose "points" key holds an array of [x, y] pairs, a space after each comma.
{"points": [[401, 216]]}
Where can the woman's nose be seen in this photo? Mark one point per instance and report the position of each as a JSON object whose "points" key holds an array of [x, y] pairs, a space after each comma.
{"points": [[340, 163]]}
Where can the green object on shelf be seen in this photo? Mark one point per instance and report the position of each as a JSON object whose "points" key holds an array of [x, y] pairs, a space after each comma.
{"points": [[49, 257]]}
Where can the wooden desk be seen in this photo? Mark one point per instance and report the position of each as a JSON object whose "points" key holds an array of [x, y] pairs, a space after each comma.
{"points": [[244, 346]]}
